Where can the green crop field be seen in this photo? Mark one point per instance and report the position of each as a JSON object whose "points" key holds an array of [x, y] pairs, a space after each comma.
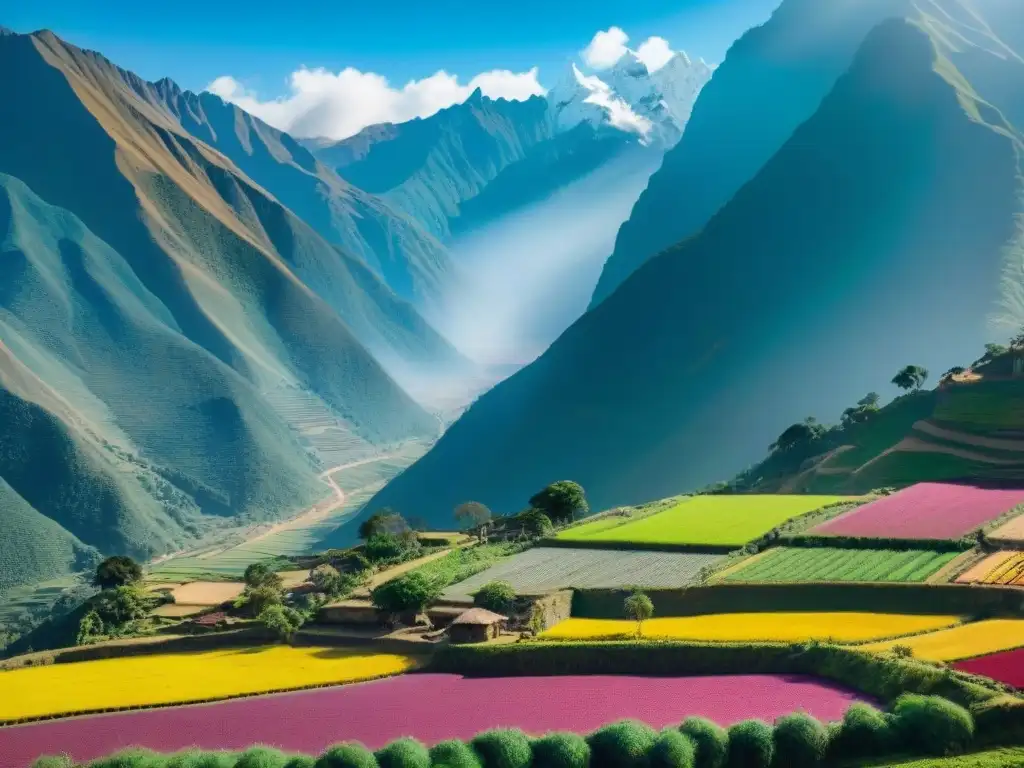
{"points": [[788, 564], [713, 520]]}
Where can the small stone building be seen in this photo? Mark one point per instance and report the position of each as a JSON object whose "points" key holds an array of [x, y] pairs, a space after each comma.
{"points": [[477, 625]]}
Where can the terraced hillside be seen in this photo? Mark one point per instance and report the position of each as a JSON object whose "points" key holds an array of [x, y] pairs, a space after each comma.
{"points": [[150, 293]]}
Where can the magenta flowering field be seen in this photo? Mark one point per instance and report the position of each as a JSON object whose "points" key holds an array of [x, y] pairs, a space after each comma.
{"points": [[925, 511], [432, 707]]}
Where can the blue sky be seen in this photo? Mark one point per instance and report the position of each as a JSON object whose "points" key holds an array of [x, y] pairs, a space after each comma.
{"points": [[260, 42]]}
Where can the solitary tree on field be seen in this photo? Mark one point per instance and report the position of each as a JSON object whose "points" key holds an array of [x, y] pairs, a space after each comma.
{"points": [[383, 521], [472, 514], [911, 377], [639, 608], [117, 571], [561, 501], [259, 575]]}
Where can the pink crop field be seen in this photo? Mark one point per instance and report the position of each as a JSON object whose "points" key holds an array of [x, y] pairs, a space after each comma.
{"points": [[432, 707], [1006, 667], [925, 511]]}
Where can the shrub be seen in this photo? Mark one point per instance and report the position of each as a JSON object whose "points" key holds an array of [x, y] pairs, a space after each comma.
{"points": [[411, 592], [117, 571], [53, 761], [621, 745], [348, 754], [750, 745], [325, 578], [453, 754], [281, 620], [711, 739], [301, 761], [131, 758], [503, 748], [497, 596], [261, 757], [932, 725], [197, 758], [673, 750], [403, 753], [864, 732], [260, 575], [800, 741], [387, 546], [561, 750]]}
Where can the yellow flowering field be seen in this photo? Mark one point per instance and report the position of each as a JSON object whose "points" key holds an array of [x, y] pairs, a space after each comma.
{"points": [[847, 627], [963, 642], [177, 678]]}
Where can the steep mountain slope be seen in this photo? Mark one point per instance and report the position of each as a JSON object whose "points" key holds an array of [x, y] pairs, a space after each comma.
{"points": [[429, 167], [150, 295], [411, 262], [772, 79], [874, 237]]}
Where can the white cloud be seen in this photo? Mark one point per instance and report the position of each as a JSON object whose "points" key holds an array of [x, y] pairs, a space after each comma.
{"points": [[338, 105], [607, 47], [655, 53]]}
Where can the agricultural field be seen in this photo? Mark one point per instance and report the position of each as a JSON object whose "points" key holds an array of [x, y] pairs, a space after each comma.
{"points": [[925, 511], [1006, 667], [782, 627], [1006, 568], [712, 520], [155, 679], [977, 572], [791, 564], [546, 568], [433, 707], [963, 642]]}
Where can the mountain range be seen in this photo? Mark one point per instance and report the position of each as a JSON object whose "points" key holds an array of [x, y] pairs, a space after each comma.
{"points": [[845, 200], [189, 295]]}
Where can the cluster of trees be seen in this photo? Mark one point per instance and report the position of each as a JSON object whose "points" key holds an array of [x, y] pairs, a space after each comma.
{"points": [[121, 605], [556, 504]]}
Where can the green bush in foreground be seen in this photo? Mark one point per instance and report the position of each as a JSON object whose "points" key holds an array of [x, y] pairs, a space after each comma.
{"points": [[131, 758], [932, 725], [348, 754], [750, 745], [453, 754], [503, 748], [863, 732], [53, 761], [261, 757], [197, 758], [624, 744], [403, 753], [561, 750], [711, 739], [300, 761], [672, 750], [800, 741]]}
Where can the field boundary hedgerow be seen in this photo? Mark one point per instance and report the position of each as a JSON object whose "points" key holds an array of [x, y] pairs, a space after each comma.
{"points": [[861, 542], [640, 546], [741, 597]]}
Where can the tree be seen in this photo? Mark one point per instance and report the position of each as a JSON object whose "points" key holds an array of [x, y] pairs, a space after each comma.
{"points": [[639, 608], [410, 593], [1017, 342], [871, 399], [535, 523], [284, 622], [89, 628], [383, 521], [326, 579], [803, 433], [258, 599], [117, 571], [956, 370], [911, 377], [120, 605], [259, 575], [388, 546], [497, 596], [561, 501], [472, 514]]}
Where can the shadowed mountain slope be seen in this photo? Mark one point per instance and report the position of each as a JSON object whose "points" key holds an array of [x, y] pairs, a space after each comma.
{"points": [[773, 79], [877, 235], [151, 294]]}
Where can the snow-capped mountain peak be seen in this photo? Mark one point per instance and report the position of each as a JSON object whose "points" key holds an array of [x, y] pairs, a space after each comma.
{"points": [[628, 96]]}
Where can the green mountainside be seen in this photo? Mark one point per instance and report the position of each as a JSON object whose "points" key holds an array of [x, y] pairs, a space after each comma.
{"points": [[884, 231], [772, 80], [471, 163], [152, 298]]}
